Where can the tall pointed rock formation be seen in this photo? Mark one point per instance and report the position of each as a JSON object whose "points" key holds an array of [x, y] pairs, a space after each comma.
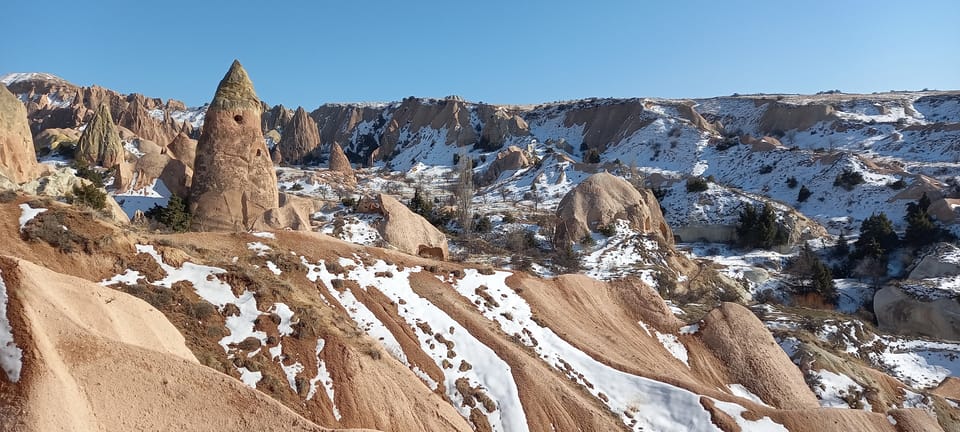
{"points": [[100, 143], [301, 137], [234, 182], [338, 160], [18, 160]]}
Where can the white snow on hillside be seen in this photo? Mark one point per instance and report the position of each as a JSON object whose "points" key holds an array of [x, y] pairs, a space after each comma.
{"points": [[11, 356], [641, 403], [27, 214]]}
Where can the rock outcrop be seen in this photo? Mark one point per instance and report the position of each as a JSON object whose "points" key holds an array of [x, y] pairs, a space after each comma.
{"points": [[753, 358], [300, 139], [293, 214], [899, 312], [599, 201], [100, 143], [499, 127], [338, 160], [408, 231], [513, 158], [18, 160], [781, 117], [234, 182], [183, 149], [54, 139]]}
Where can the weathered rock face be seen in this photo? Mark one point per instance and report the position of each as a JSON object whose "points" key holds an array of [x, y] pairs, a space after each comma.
{"points": [[941, 260], [513, 158], [54, 139], [902, 313], [55, 103], [781, 117], [234, 182], [408, 231], [18, 161], [300, 139], [338, 160], [600, 200], [275, 118], [100, 143], [499, 126], [753, 357], [184, 149]]}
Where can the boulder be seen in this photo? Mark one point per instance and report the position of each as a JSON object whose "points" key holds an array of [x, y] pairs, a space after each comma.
{"points": [[338, 160], [100, 143], [902, 313], [293, 214], [18, 159], [234, 182], [511, 159], [753, 358], [408, 231], [300, 139], [600, 200]]}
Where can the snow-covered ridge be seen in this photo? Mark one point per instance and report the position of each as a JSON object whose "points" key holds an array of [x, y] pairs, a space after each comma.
{"points": [[11, 78]]}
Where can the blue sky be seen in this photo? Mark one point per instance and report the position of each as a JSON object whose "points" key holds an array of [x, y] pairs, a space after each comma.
{"points": [[311, 52]]}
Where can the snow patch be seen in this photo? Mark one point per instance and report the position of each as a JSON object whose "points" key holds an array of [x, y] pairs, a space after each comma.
{"points": [[11, 356]]}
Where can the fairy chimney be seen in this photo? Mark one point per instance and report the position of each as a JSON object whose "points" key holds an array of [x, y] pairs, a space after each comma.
{"points": [[234, 182]]}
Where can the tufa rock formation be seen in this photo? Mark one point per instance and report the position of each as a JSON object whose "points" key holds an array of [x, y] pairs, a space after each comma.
{"points": [[100, 143], [753, 358], [234, 182], [513, 158], [338, 160], [300, 139], [600, 200], [18, 161], [408, 231]]}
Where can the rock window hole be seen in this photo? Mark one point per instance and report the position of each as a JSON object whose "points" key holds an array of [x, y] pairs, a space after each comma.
{"points": [[258, 152], [238, 118]]}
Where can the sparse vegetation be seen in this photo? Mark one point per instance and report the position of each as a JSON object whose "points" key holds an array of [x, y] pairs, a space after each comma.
{"points": [[848, 179], [792, 182], [759, 228], [697, 184], [88, 195], [175, 216]]}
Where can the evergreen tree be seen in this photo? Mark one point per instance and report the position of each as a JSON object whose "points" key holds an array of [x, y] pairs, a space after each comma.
{"points": [[921, 230], [175, 216], [803, 194], [760, 228], [877, 238]]}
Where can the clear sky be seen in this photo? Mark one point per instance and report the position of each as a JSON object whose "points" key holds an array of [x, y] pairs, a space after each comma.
{"points": [[310, 52]]}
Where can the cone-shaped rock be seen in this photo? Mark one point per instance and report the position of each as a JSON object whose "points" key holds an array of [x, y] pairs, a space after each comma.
{"points": [[300, 139], [18, 161], [234, 182], [339, 161], [100, 143]]}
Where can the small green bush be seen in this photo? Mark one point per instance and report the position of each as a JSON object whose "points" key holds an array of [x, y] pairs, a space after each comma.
{"points": [[803, 194], [88, 195], [607, 230], [792, 182]]}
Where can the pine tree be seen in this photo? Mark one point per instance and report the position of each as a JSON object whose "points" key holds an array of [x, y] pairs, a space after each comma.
{"points": [[877, 238], [921, 230]]}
